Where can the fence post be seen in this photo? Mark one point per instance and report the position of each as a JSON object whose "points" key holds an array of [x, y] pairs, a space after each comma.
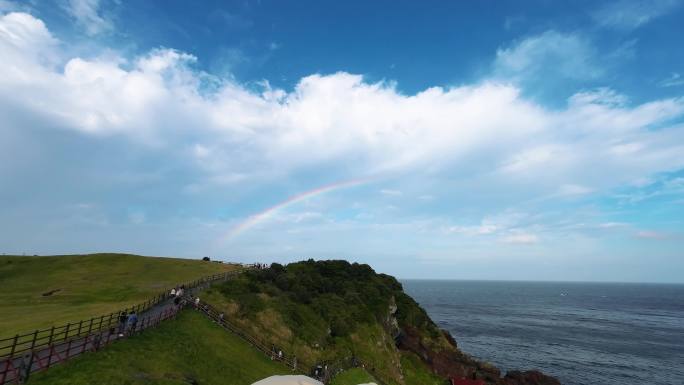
{"points": [[33, 342], [90, 326], [66, 333], [85, 344], [52, 334], [102, 319], [50, 356], [80, 324], [14, 346]]}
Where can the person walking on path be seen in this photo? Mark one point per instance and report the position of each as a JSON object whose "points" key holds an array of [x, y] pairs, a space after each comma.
{"points": [[25, 368], [132, 322], [123, 319], [197, 301], [97, 340]]}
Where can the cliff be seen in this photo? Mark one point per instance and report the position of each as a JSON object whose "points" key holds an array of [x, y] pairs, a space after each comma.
{"points": [[334, 311]]}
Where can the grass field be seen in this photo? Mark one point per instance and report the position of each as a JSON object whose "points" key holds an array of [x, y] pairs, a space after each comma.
{"points": [[188, 350], [353, 377], [88, 285]]}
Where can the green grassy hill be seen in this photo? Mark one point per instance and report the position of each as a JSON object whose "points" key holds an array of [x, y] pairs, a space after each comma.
{"points": [[330, 311], [188, 350], [87, 286]]}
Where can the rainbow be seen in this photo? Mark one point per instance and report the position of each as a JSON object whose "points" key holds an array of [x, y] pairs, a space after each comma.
{"points": [[266, 214]]}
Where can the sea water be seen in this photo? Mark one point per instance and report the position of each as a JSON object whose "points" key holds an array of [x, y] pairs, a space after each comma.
{"points": [[580, 333]]}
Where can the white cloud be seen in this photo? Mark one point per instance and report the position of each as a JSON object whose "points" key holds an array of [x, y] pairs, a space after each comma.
{"points": [[11, 6], [24, 39], [485, 130], [137, 217], [390, 192], [612, 225], [674, 80], [573, 189], [495, 224], [568, 55], [521, 238], [600, 96], [648, 234], [630, 14], [87, 14]]}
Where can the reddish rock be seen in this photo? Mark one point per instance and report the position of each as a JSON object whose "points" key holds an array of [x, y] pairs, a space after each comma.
{"points": [[530, 377], [452, 363]]}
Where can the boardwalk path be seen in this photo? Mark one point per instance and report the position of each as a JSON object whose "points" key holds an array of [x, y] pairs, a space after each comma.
{"points": [[16, 368]]}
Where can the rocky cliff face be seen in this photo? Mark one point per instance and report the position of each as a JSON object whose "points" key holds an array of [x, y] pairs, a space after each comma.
{"points": [[448, 361]]}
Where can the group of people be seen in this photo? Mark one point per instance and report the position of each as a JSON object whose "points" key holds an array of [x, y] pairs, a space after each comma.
{"points": [[128, 322], [276, 353], [178, 291], [177, 294]]}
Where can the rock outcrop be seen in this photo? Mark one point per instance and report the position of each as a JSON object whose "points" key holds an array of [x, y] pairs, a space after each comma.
{"points": [[450, 362]]}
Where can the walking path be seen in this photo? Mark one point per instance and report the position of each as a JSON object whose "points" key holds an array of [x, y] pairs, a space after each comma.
{"points": [[92, 337]]}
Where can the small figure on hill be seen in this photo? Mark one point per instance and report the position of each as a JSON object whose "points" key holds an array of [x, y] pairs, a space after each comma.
{"points": [[179, 292], [132, 322], [123, 319], [280, 354], [221, 318], [197, 302], [173, 292]]}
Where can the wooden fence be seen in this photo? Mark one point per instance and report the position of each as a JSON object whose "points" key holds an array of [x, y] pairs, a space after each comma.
{"points": [[322, 371], [38, 350]]}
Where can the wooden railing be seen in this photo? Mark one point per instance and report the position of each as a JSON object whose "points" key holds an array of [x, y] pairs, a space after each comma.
{"points": [[322, 371], [38, 350]]}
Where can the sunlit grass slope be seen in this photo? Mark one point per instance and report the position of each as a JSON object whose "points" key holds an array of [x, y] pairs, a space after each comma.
{"points": [[85, 286], [188, 350], [352, 377]]}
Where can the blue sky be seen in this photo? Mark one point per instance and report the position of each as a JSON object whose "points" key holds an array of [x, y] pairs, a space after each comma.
{"points": [[532, 140]]}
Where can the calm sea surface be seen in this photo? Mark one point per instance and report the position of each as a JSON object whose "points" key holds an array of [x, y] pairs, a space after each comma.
{"points": [[581, 333]]}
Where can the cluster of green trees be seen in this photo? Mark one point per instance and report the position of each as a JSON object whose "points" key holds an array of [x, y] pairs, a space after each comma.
{"points": [[330, 297]]}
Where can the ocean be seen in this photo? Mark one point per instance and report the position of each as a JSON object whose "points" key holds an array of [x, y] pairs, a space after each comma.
{"points": [[580, 333]]}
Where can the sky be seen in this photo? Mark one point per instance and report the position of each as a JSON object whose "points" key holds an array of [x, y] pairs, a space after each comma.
{"points": [[506, 140]]}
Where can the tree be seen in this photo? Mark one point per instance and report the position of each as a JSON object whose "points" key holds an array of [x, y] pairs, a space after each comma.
{"points": [[206, 259]]}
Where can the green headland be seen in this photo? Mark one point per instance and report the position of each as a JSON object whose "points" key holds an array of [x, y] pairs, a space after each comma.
{"points": [[334, 313]]}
